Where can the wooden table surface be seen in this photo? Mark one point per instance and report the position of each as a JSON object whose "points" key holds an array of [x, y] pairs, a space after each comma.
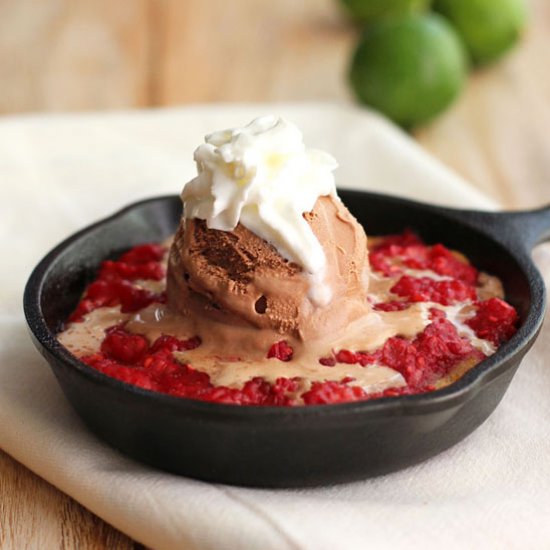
{"points": [[60, 55]]}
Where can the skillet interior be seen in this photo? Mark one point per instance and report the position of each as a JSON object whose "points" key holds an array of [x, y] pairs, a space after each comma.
{"points": [[274, 446]]}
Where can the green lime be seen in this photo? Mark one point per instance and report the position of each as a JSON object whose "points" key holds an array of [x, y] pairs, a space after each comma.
{"points": [[410, 68], [367, 11], [488, 27]]}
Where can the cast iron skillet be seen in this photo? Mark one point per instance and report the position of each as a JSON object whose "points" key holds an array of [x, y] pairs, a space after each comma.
{"points": [[303, 446]]}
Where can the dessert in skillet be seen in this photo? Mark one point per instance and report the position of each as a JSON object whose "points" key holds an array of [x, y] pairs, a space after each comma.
{"points": [[268, 294]]}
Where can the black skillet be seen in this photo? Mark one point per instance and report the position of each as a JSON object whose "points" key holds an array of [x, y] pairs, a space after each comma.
{"points": [[302, 446]]}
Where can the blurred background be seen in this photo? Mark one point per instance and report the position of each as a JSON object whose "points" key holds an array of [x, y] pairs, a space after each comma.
{"points": [[82, 55], [58, 55]]}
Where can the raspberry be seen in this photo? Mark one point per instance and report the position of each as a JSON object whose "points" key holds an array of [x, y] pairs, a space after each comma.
{"points": [[495, 321], [401, 240], [84, 307], [444, 262], [346, 356], [407, 250], [327, 361], [131, 375], [98, 361], [281, 389], [365, 358], [132, 298], [103, 293], [180, 380], [440, 259], [390, 392], [391, 306], [143, 253], [161, 364], [257, 392], [322, 393], [399, 354], [379, 261], [222, 394], [424, 289], [125, 373], [113, 270], [123, 346], [383, 254], [171, 343], [113, 287], [437, 314], [433, 352], [280, 350]]}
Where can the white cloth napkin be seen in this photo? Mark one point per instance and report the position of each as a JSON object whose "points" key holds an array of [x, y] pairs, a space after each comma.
{"points": [[59, 173]]}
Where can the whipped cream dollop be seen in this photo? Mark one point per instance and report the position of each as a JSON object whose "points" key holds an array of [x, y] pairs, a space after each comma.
{"points": [[264, 177]]}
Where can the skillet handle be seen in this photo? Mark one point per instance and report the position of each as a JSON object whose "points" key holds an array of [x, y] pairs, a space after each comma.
{"points": [[529, 227]]}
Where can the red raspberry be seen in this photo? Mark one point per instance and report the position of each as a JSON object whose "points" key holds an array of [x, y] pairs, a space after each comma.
{"points": [[443, 261], [130, 375], [112, 287], [115, 270], [182, 380], [382, 255], [171, 343], [280, 350], [424, 289], [433, 352], [222, 394], [84, 307], [143, 253], [132, 298], [365, 358], [346, 356], [409, 251], [161, 364], [392, 306], [401, 240], [322, 393], [102, 293], [379, 261], [281, 389], [495, 321], [440, 259], [123, 346], [257, 392]]}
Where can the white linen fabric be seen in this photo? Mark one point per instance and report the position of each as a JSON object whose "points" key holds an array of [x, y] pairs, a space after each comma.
{"points": [[59, 173]]}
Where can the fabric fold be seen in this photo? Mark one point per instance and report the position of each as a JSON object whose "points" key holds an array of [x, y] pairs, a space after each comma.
{"points": [[59, 173]]}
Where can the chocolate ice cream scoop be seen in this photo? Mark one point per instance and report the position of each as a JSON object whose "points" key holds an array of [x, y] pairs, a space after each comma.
{"points": [[239, 279], [265, 249]]}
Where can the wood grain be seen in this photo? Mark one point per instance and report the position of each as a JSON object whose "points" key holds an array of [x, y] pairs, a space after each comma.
{"points": [[101, 54], [35, 515], [260, 50], [73, 54]]}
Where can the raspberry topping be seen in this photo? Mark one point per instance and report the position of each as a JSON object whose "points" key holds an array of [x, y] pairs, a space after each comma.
{"points": [[422, 360], [114, 285], [280, 350], [495, 321], [425, 289], [322, 393], [124, 347], [170, 344]]}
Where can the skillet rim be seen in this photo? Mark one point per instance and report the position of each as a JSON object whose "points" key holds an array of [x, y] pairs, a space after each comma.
{"points": [[453, 395]]}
